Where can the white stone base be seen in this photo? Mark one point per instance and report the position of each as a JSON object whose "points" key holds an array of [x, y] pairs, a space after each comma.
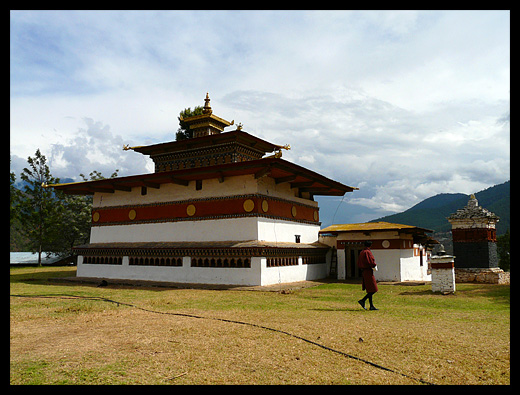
{"points": [[257, 274], [443, 280]]}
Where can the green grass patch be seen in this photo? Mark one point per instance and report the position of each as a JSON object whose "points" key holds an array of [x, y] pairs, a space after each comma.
{"points": [[445, 339]]}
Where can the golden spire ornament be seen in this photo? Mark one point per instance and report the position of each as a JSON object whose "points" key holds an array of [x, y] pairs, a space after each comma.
{"points": [[207, 108]]}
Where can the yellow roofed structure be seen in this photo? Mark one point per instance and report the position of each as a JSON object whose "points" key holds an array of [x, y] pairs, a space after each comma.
{"points": [[371, 226]]}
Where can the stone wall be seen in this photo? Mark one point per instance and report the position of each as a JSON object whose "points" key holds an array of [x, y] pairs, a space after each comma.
{"points": [[480, 275]]}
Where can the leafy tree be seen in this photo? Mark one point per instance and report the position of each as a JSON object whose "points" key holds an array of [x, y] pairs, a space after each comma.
{"points": [[184, 131], [72, 223], [50, 220], [37, 209], [74, 219], [96, 175], [14, 197], [503, 251]]}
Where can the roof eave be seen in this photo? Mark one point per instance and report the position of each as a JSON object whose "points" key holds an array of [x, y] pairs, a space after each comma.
{"points": [[318, 184]]}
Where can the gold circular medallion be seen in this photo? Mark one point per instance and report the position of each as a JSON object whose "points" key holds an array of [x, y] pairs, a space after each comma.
{"points": [[249, 205], [265, 206], [132, 214], [190, 210], [95, 217], [293, 211], [315, 216]]}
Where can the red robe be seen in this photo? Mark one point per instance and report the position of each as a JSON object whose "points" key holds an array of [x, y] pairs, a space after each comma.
{"points": [[366, 262]]}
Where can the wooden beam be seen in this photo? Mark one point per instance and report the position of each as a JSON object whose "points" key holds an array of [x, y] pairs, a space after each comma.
{"points": [[151, 184], [262, 172], [77, 192], [118, 187], [279, 180], [101, 189], [323, 191], [301, 184], [179, 181]]}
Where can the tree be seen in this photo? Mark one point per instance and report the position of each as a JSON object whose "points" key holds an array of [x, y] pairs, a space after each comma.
{"points": [[14, 197], [37, 209], [71, 225], [184, 131], [503, 251], [74, 219], [50, 220]]}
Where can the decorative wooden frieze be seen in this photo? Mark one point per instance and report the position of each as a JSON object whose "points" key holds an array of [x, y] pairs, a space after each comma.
{"points": [[252, 205]]}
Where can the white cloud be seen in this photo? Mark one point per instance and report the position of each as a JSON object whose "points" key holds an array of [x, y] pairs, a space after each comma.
{"points": [[403, 104], [95, 148]]}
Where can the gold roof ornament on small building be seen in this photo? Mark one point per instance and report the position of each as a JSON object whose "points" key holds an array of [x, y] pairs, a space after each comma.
{"points": [[206, 124], [207, 108]]}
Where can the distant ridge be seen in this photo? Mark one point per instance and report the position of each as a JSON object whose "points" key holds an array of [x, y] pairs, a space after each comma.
{"points": [[431, 213]]}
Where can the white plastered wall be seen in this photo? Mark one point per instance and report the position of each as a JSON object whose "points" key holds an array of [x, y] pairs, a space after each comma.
{"points": [[238, 185], [289, 274], [179, 274], [257, 274], [411, 269], [205, 230], [248, 228]]}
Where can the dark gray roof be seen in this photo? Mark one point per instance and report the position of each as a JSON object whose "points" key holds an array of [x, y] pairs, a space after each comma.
{"points": [[473, 210]]}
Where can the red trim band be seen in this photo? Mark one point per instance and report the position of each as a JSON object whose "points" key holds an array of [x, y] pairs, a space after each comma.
{"points": [[201, 209]]}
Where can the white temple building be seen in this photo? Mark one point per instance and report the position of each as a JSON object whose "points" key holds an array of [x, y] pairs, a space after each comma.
{"points": [[216, 210]]}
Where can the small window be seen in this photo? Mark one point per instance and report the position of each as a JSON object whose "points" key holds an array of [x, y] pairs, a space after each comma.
{"points": [[198, 185], [144, 191]]}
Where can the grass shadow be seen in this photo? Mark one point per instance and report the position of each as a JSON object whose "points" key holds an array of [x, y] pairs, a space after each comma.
{"points": [[41, 277], [416, 293], [343, 309]]}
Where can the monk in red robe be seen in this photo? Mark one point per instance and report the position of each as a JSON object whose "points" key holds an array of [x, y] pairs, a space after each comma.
{"points": [[367, 263]]}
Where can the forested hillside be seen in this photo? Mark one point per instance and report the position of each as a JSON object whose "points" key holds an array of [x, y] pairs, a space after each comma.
{"points": [[431, 213]]}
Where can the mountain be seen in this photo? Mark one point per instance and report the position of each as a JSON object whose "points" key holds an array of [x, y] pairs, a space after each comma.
{"points": [[335, 211], [431, 213]]}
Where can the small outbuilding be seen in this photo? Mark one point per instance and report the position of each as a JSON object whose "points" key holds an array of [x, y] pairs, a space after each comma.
{"points": [[402, 252]]}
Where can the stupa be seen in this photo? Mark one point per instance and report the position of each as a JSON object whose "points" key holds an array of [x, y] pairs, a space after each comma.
{"points": [[474, 236], [475, 245]]}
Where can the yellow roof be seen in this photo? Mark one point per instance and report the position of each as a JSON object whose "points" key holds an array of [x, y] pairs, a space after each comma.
{"points": [[370, 226]]}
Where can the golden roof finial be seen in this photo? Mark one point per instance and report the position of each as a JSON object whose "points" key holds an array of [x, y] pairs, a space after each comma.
{"points": [[207, 108]]}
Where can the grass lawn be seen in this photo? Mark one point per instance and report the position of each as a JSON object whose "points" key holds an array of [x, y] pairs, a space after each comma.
{"points": [[452, 339]]}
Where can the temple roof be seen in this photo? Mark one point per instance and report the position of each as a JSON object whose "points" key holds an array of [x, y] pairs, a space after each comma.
{"points": [[236, 136], [281, 170], [205, 245], [373, 226]]}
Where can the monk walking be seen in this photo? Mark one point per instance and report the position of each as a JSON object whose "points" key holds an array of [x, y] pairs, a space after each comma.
{"points": [[366, 263]]}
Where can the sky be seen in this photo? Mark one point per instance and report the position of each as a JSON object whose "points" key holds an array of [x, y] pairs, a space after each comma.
{"points": [[401, 104]]}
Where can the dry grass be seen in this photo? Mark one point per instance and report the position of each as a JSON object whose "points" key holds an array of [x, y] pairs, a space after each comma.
{"points": [[459, 339]]}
